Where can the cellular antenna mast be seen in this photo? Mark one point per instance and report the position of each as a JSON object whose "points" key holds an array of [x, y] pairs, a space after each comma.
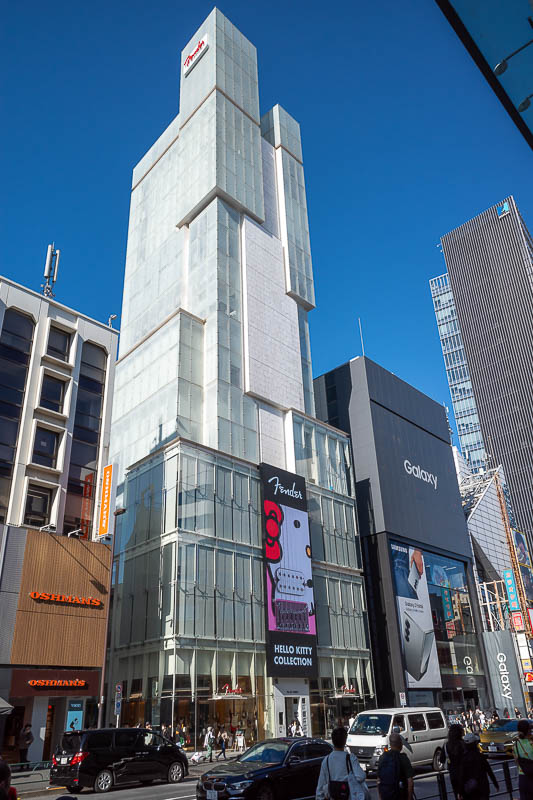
{"points": [[50, 270]]}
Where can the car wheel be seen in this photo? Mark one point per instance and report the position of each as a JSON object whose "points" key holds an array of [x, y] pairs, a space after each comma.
{"points": [[437, 765], [176, 773], [265, 792], [103, 782]]}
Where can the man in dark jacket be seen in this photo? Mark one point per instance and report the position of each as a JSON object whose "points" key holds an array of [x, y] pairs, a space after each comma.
{"points": [[474, 771], [24, 743]]}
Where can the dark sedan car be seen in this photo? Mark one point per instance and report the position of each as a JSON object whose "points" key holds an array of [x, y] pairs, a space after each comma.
{"points": [[101, 759], [287, 768]]}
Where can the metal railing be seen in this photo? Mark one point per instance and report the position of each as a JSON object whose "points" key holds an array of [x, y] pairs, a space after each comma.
{"points": [[30, 771], [438, 788]]}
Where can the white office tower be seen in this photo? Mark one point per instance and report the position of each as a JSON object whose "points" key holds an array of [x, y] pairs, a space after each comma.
{"points": [[213, 378]]}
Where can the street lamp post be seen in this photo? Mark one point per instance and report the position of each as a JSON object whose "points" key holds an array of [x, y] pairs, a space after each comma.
{"points": [[116, 514], [502, 65]]}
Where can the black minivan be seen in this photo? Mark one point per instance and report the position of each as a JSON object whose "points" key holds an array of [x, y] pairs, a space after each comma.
{"points": [[100, 759]]}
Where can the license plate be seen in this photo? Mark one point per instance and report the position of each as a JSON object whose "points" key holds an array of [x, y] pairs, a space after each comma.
{"points": [[64, 760], [212, 794], [493, 748]]}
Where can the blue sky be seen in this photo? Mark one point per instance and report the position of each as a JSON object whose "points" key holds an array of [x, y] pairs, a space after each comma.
{"points": [[403, 141]]}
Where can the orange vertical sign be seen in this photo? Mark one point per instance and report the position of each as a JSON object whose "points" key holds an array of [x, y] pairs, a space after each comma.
{"points": [[105, 501]]}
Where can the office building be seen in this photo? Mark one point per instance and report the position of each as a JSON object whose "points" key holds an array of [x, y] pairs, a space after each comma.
{"points": [[462, 394], [504, 579], [490, 287], [56, 374], [499, 37], [214, 407], [424, 619]]}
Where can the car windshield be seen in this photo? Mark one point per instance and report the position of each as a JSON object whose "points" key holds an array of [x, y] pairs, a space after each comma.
{"points": [[371, 724], [271, 752], [70, 743], [503, 725]]}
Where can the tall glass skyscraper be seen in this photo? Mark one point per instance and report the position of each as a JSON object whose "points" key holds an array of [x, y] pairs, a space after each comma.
{"points": [[214, 378], [484, 312], [462, 394]]}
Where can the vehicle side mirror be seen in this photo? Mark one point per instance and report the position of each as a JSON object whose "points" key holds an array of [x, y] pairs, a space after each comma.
{"points": [[293, 760]]}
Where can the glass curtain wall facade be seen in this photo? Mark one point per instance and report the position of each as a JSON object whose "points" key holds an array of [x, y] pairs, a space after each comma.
{"points": [[213, 379], [489, 262], [462, 394], [189, 616]]}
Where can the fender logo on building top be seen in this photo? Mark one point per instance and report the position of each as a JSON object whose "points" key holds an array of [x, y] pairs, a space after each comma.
{"points": [[58, 684], [67, 599], [193, 57]]}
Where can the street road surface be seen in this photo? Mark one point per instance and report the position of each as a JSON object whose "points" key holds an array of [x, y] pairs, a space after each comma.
{"points": [[425, 788]]}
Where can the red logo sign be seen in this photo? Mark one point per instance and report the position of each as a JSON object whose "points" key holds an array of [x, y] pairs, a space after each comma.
{"points": [[518, 621], [228, 690], [529, 677], [70, 599], [200, 49], [43, 683]]}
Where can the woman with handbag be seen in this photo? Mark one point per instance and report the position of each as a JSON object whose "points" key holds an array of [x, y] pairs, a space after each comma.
{"points": [[523, 753]]}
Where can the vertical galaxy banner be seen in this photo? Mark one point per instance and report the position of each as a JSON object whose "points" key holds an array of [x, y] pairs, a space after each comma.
{"points": [[289, 596]]}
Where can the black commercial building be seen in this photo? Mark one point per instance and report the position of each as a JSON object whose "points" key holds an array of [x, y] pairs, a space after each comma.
{"points": [[416, 548]]}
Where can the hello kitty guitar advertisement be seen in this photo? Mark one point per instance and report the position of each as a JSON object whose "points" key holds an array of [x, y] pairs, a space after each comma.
{"points": [[289, 595]]}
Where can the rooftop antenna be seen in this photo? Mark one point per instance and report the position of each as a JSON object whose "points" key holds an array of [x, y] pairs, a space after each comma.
{"points": [[361, 335], [50, 270]]}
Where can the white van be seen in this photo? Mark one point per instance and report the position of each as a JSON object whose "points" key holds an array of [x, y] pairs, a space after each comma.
{"points": [[423, 730]]}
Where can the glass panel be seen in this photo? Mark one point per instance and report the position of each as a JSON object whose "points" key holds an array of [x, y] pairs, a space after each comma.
{"points": [[58, 344], [417, 722], [17, 323], [52, 393], [45, 447], [38, 504]]}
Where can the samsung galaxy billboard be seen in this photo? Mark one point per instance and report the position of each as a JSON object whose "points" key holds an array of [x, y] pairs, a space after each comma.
{"points": [[289, 596]]}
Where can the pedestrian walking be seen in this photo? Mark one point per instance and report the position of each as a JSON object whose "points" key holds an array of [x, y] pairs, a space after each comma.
{"points": [[351, 721], [222, 743], [523, 753], [452, 755], [209, 741], [395, 773], [517, 713], [24, 743], [474, 771], [506, 713], [341, 776]]}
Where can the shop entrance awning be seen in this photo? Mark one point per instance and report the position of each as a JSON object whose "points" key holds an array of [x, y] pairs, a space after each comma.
{"points": [[5, 708]]}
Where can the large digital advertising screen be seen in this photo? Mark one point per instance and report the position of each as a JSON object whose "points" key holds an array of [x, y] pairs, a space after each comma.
{"points": [[523, 556], [289, 596], [415, 618]]}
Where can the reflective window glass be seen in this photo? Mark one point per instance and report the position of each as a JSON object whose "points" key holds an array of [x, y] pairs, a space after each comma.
{"points": [[38, 504], [45, 447], [417, 722], [52, 393], [58, 343]]}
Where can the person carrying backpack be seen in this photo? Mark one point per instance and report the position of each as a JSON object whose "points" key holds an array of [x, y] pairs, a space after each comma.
{"points": [[341, 776], [523, 753], [395, 773], [474, 772]]}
